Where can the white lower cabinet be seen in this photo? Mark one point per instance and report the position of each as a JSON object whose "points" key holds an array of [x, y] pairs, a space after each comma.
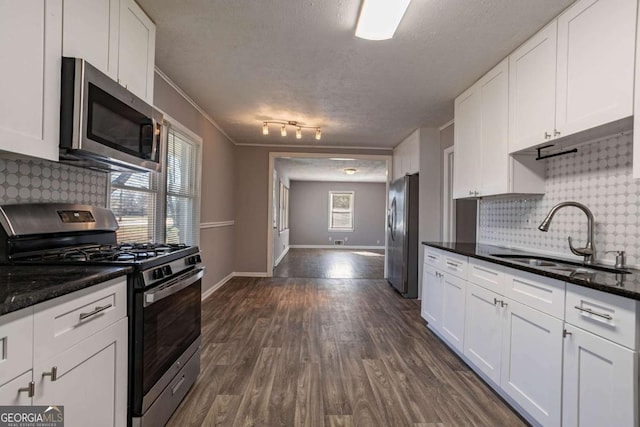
{"points": [[531, 363], [431, 297], [16, 391], [453, 309], [598, 386], [91, 379], [483, 330]]}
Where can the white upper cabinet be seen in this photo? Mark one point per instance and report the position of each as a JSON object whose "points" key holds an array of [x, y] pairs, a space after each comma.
{"points": [[116, 37], [90, 31], [31, 35], [466, 147], [482, 165], [596, 47], [576, 74], [532, 90], [137, 50]]}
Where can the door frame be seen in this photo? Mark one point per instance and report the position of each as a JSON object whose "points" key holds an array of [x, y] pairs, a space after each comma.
{"points": [[448, 203], [276, 154]]}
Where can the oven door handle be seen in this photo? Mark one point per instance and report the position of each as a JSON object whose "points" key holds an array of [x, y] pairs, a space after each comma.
{"points": [[170, 288]]}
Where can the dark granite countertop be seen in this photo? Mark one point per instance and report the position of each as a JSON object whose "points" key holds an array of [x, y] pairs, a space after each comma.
{"points": [[25, 285], [626, 285]]}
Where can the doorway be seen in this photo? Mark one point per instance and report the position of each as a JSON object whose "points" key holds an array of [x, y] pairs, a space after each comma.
{"points": [[327, 215]]}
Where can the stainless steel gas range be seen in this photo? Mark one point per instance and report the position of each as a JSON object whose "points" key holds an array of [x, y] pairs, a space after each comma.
{"points": [[164, 293]]}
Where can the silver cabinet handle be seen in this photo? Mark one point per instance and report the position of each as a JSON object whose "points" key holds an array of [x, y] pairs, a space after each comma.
{"points": [[556, 132], [496, 301], [547, 135], [94, 312], [452, 264], [565, 333], [432, 257], [53, 374], [30, 389], [588, 310], [503, 304]]}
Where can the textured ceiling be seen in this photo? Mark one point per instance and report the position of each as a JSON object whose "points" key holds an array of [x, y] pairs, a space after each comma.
{"points": [[244, 61], [320, 169]]}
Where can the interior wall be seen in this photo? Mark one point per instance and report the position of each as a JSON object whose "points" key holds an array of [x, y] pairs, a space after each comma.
{"points": [[309, 217], [217, 209], [251, 186], [280, 238]]}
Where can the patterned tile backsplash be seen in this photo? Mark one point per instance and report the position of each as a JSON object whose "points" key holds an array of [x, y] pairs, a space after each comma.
{"points": [[28, 180], [599, 176]]}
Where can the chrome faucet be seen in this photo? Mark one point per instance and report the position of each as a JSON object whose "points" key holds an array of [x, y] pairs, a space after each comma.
{"points": [[589, 251]]}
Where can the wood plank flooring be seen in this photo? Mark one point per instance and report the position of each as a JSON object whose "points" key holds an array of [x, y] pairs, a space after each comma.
{"points": [[329, 352], [332, 264]]}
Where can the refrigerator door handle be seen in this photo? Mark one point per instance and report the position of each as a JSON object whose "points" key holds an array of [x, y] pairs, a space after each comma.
{"points": [[392, 219]]}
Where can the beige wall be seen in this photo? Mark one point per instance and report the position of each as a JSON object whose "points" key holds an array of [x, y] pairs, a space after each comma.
{"points": [[251, 186], [218, 198]]}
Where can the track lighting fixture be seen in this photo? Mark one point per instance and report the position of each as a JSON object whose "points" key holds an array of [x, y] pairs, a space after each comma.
{"points": [[283, 128]]}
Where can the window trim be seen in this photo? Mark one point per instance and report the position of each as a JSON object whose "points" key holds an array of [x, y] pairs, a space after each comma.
{"points": [[351, 210]]}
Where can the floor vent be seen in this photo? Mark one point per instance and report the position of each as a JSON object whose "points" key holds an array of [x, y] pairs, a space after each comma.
{"points": [[338, 242]]}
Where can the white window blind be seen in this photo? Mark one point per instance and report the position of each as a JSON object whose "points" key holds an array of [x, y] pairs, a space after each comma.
{"points": [[183, 188], [341, 210], [133, 199]]}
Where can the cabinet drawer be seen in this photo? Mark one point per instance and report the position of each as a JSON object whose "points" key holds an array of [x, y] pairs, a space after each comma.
{"points": [[64, 322], [16, 344], [535, 291], [487, 275], [446, 261], [610, 316]]}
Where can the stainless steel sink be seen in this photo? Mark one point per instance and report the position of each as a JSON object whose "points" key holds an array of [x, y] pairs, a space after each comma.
{"points": [[558, 265]]}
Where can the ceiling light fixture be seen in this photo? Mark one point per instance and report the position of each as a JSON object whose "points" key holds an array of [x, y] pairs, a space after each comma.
{"points": [[350, 171], [283, 127], [379, 19]]}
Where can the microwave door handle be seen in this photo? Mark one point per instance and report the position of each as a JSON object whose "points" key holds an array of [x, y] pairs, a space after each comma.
{"points": [[176, 285]]}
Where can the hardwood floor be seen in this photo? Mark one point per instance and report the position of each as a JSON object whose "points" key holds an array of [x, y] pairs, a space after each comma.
{"points": [[332, 264], [328, 352]]}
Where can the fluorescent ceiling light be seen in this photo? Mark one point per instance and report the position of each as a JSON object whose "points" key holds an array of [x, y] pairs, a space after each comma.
{"points": [[379, 19]]}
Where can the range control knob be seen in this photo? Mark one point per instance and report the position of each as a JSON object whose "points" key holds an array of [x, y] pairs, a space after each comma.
{"points": [[198, 259], [167, 270], [157, 274], [193, 260]]}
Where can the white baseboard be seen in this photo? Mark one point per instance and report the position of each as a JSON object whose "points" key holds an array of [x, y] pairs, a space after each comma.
{"points": [[250, 274], [282, 255], [217, 286], [334, 247]]}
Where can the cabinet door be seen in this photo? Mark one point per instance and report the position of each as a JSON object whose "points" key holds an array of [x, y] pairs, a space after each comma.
{"points": [[494, 102], [600, 380], [596, 48], [31, 36], [91, 380], [466, 147], [137, 50], [90, 31], [483, 330], [431, 297], [453, 310], [532, 90], [16, 344], [9, 394], [532, 362]]}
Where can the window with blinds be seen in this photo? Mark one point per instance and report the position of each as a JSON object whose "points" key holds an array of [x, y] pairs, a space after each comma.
{"points": [[160, 207], [133, 199], [341, 210], [182, 188]]}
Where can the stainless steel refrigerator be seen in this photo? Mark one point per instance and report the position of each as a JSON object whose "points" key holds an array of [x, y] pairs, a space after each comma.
{"points": [[402, 236]]}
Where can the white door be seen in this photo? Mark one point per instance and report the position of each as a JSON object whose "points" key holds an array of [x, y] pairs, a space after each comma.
{"points": [[467, 148], [453, 310], [137, 50], [600, 380], [31, 42], [431, 308], [532, 90], [532, 362], [483, 330], [10, 394], [90, 31], [91, 380], [494, 102], [596, 56]]}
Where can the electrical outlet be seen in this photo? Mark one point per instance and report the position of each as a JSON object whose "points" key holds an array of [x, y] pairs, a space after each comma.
{"points": [[528, 222]]}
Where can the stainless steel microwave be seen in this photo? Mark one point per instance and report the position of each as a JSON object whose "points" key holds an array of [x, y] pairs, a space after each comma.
{"points": [[103, 125]]}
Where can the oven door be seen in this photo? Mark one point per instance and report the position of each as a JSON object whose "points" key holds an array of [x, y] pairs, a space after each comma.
{"points": [[167, 326]]}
